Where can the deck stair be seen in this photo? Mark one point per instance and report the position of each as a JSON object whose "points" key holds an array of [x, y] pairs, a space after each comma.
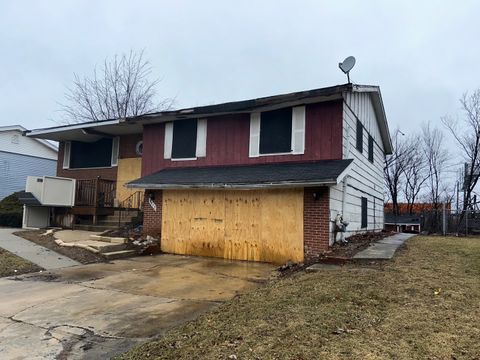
{"points": [[118, 219]]}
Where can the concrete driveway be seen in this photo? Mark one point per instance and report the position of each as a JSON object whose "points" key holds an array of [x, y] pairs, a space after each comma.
{"points": [[100, 310]]}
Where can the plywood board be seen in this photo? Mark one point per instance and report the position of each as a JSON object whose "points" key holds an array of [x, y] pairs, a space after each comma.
{"points": [[128, 170], [263, 225]]}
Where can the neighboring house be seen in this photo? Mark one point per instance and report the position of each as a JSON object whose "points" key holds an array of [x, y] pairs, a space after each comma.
{"points": [[22, 156], [403, 223], [259, 179]]}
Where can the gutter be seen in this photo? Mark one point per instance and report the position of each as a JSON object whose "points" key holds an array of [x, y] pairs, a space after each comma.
{"points": [[328, 182]]}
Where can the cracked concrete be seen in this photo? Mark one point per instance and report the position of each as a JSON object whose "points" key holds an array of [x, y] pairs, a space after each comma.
{"points": [[100, 310]]}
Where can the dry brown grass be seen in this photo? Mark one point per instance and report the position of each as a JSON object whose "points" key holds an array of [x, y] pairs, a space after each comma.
{"points": [[11, 264], [425, 304]]}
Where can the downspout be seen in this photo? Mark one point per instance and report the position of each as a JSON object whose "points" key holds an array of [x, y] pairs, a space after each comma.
{"points": [[346, 156]]}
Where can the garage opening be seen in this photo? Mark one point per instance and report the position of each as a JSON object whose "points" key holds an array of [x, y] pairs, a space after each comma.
{"points": [[255, 225]]}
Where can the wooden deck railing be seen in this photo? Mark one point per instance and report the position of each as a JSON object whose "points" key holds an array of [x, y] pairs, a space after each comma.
{"points": [[95, 192]]}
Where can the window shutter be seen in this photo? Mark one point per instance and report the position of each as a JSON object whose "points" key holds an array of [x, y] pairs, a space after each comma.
{"points": [[115, 148], [201, 138], [370, 148], [254, 134], [298, 130], [167, 147], [66, 155], [359, 136], [364, 212]]}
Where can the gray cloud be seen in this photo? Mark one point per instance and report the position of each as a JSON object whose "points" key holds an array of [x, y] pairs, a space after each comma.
{"points": [[423, 56]]}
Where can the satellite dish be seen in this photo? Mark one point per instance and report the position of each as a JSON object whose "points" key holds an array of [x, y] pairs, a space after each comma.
{"points": [[347, 65]]}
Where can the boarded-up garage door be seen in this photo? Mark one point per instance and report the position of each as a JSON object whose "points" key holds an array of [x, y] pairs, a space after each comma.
{"points": [[264, 225]]}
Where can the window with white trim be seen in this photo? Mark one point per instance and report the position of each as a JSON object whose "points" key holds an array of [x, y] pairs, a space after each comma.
{"points": [[95, 154], [275, 132], [185, 139]]}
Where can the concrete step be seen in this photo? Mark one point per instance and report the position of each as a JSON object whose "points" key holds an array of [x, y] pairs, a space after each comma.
{"points": [[112, 223], [108, 239], [90, 227], [125, 213], [104, 247], [119, 254]]}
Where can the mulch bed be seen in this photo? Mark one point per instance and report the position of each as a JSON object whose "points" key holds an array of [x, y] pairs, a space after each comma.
{"points": [[81, 255], [357, 243], [339, 254]]}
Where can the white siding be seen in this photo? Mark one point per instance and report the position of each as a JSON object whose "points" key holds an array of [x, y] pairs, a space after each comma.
{"points": [[364, 179], [13, 142]]}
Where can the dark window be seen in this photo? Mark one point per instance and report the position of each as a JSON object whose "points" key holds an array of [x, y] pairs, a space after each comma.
{"points": [[370, 148], [359, 136], [184, 139], [364, 212], [276, 131], [91, 154]]}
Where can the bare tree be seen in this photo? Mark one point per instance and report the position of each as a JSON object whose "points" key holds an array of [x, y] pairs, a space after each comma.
{"points": [[394, 168], [467, 135], [437, 159], [123, 87], [415, 171]]}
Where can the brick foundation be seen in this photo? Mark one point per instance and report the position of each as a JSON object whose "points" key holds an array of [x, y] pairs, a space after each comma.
{"points": [[152, 220], [316, 222]]}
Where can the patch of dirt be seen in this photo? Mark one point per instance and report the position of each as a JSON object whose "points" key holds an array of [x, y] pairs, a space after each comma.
{"points": [[339, 254], [81, 255], [357, 243]]}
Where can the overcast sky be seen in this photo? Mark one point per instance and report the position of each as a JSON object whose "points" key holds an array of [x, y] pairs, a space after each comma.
{"points": [[423, 55]]}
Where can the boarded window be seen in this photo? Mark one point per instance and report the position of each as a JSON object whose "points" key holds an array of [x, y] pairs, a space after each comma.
{"points": [[276, 131], [359, 136], [370, 148], [91, 154], [184, 142], [364, 212]]}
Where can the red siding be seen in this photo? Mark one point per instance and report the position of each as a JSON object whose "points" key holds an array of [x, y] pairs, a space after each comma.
{"points": [[128, 145], [228, 140]]}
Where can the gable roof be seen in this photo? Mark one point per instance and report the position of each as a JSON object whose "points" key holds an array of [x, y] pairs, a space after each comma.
{"points": [[22, 130], [313, 173], [113, 127]]}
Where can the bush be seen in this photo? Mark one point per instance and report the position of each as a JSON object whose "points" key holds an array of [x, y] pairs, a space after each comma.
{"points": [[11, 211], [11, 220]]}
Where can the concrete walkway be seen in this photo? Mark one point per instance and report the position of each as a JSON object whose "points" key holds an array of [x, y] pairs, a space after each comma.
{"points": [[383, 249], [30, 251]]}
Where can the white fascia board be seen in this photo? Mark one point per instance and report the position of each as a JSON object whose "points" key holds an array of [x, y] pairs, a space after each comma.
{"points": [[344, 173], [52, 130], [12, 128]]}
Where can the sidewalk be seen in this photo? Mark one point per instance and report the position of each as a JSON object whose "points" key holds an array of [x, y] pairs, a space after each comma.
{"points": [[385, 248], [30, 251]]}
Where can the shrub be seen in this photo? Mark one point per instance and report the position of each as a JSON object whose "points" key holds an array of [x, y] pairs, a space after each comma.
{"points": [[11, 211]]}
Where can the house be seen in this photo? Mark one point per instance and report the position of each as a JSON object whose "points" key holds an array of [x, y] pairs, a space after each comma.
{"points": [[21, 156], [258, 180], [403, 223]]}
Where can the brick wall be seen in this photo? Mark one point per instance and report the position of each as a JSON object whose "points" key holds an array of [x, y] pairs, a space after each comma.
{"points": [[152, 220], [316, 222]]}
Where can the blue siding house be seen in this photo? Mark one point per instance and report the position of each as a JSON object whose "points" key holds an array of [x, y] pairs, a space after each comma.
{"points": [[21, 156]]}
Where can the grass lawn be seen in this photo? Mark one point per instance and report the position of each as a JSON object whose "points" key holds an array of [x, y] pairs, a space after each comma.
{"points": [[9, 263], [425, 304]]}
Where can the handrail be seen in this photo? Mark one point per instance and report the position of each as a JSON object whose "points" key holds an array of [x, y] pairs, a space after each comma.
{"points": [[134, 201]]}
